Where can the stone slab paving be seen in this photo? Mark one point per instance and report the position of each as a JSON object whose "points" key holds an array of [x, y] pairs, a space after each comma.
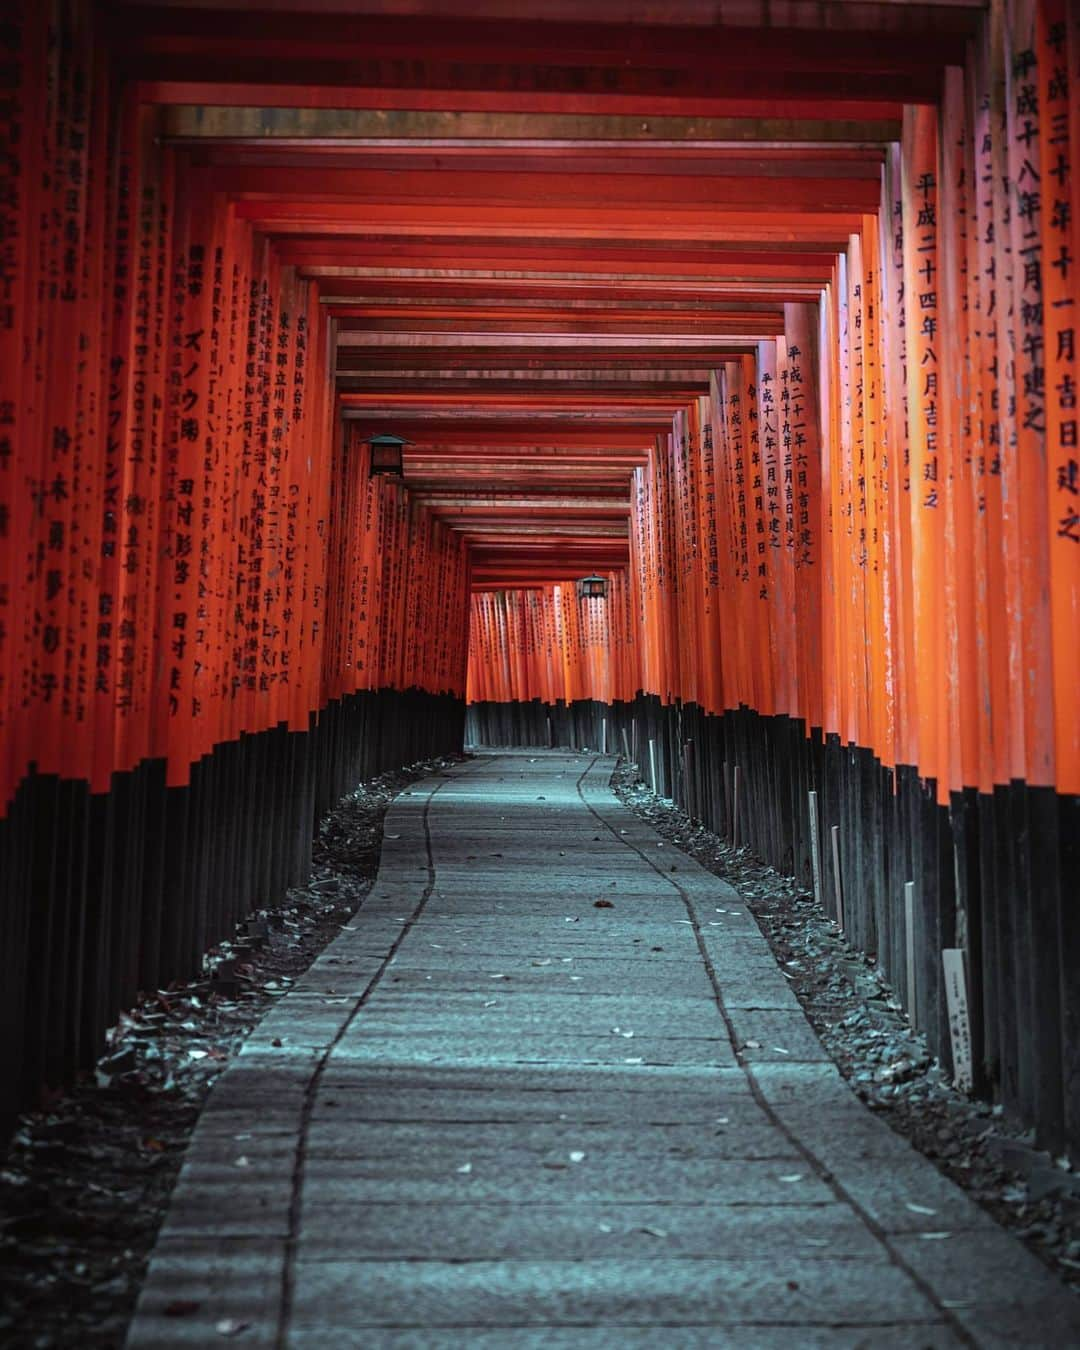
{"points": [[494, 1114]]}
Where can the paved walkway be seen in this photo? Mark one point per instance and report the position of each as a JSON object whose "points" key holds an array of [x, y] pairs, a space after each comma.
{"points": [[549, 1088]]}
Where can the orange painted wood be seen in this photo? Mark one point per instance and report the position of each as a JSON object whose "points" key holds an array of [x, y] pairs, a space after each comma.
{"points": [[823, 441], [1058, 51]]}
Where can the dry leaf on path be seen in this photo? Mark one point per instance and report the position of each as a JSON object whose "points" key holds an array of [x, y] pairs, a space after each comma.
{"points": [[229, 1326]]}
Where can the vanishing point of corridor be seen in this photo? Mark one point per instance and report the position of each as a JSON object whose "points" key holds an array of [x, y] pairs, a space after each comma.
{"points": [[685, 386], [550, 1088]]}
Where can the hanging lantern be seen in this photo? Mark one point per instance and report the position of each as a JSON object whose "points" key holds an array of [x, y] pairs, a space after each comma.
{"points": [[386, 454], [592, 587]]}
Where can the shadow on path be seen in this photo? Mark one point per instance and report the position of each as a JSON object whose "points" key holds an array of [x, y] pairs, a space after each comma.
{"points": [[550, 1088]]}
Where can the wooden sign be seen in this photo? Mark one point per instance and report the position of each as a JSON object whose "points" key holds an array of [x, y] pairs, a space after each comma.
{"points": [[952, 959]]}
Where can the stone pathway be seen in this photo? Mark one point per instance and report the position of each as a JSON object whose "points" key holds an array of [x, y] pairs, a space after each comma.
{"points": [[550, 1088]]}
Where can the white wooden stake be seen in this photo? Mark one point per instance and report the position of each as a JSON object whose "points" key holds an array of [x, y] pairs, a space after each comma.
{"points": [[952, 959], [603, 735], [625, 745], [909, 942], [838, 879], [815, 851], [652, 763]]}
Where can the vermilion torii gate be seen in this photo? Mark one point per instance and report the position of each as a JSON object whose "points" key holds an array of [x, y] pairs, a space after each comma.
{"points": [[766, 313]]}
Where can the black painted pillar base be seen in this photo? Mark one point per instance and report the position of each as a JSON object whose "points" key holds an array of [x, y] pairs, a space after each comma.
{"points": [[104, 895]]}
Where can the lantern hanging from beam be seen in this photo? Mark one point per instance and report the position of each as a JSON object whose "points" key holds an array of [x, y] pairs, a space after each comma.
{"points": [[592, 587], [386, 454]]}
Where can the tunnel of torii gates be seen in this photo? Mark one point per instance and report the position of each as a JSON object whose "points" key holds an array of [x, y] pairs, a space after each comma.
{"points": [[766, 312]]}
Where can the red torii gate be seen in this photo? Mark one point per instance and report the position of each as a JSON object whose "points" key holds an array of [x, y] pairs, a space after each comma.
{"points": [[771, 324]]}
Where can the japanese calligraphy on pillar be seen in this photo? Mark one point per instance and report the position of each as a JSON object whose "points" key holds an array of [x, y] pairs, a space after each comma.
{"points": [[770, 454], [1059, 126], [1026, 517], [920, 179]]}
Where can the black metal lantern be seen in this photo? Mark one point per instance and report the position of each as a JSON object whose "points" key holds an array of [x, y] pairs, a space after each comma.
{"points": [[592, 587], [386, 454]]}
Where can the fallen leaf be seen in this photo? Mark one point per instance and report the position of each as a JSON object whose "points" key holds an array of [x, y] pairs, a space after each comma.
{"points": [[654, 1232], [577, 1156], [933, 1237], [229, 1326], [181, 1307], [751, 1045], [918, 1209], [792, 1176], [603, 904], [242, 1162], [465, 1169]]}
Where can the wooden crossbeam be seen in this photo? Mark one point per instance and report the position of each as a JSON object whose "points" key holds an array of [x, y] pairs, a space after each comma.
{"points": [[538, 237]]}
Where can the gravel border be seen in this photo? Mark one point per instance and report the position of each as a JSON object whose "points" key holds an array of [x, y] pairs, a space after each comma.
{"points": [[862, 1025], [86, 1182]]}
